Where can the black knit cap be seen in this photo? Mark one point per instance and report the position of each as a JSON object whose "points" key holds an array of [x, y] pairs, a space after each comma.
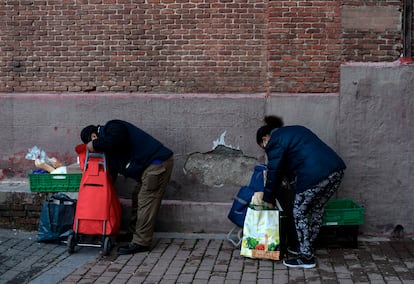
{"points": [[87, 132]]}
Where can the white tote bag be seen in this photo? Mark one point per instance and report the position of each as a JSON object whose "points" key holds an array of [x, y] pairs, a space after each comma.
{"points": [[261, 234]]}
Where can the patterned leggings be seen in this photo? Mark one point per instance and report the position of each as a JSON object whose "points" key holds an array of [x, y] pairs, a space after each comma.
{"points": [[311, 202]]}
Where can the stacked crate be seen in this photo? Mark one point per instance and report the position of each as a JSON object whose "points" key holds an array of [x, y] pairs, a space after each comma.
{"points": [[340, 227]]}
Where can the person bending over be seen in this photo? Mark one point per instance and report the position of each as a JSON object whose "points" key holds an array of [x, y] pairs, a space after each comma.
{"points": [[133, 153], [296, 151]]}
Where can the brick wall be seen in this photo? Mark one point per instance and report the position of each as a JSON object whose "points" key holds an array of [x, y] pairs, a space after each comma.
{"points": [[196, 46], [19, 210], [371, 31], [304, 46]]}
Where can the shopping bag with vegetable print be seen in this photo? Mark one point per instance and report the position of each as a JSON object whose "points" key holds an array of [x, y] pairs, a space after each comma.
{"points": [[261, 237]]}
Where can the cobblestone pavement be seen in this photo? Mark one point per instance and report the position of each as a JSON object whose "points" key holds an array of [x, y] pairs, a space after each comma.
{"points": [[23, 259], [177, 258]]}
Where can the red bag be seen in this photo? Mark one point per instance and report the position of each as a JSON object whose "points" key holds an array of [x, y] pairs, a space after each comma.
{"points": [[81, 150], [98, 210]]}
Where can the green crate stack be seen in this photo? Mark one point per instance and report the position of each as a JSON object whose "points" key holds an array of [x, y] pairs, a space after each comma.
{"points": [[341, 221], [55, 182]]}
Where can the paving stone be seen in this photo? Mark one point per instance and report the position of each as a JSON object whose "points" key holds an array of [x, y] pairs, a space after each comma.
{"points": [[185, 259]]}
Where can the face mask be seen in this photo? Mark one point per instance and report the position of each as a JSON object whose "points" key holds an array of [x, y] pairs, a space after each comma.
{"points": [[265, 140], [264, 144]]}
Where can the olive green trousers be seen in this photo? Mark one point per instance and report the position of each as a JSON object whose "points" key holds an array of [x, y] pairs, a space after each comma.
{"points": [[146, 201]]}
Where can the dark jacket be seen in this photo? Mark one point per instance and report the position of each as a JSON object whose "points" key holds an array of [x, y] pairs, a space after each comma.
{"points": [[295, 151], [129, 150]]}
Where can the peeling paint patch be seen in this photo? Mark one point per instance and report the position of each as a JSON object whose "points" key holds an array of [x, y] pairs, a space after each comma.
{"points": [[221, 141], [219, 167]]}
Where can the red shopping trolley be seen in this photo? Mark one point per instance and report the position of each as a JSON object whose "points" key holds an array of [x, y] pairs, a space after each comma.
{"points": [[98, 210]]}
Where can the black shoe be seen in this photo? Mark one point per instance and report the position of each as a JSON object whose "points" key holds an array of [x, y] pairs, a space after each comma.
{"points": [[301, 262], [131, 249]]}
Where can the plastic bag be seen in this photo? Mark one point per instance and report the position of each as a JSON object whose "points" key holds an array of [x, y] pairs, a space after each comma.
{"points": [[42, 161], [35, 153], [56, 218]]}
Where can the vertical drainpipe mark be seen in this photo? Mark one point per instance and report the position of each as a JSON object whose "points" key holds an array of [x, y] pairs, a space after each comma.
{"points": [[407, 28]]}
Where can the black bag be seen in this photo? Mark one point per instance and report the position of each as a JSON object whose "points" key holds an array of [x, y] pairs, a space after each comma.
{"points": [[56, 218]]}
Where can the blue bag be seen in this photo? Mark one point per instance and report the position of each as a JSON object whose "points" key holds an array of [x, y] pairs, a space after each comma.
{"points": [[240, 204], [242, 200], [257, 181]]}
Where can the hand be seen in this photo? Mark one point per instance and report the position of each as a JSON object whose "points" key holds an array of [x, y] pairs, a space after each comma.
{"points": [[89, 146], [270, 205]]}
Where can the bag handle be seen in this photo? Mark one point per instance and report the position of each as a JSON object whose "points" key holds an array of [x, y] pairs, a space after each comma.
{"points": [[95, 155], [264, 207]]}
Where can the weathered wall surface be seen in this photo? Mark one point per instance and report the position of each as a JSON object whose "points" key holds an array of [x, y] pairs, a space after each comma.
{"points": [[376, 139], [370, 124], [318, 112], [186, 123]]}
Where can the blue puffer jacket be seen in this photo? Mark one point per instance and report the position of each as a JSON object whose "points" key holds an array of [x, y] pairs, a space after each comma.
{"points": [[295, 151]]}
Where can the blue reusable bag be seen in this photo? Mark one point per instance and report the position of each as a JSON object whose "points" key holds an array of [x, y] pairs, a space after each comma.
{"points": [[242, 200], [56, 218], [240, 204], [257, 181]]}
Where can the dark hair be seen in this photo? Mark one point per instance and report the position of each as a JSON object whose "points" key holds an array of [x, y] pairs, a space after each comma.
{"points": [[272, 122], [87, 132]]}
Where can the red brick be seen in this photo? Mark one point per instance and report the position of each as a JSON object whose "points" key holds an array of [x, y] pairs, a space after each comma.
{"points": [[125, 41]]}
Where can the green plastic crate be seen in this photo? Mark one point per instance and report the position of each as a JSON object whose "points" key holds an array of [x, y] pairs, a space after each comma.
{"points": [[343, 212], [55, 182]]}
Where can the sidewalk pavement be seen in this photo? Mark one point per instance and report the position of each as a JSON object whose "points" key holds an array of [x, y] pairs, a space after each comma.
{"points": [[198, 258]]}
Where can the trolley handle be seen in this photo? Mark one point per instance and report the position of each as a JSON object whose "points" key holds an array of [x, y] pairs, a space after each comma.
{"points": [[94, 155]]}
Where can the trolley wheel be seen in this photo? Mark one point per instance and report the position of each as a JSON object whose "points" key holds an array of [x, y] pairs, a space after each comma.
{"points": [[107, 246], [71, 243]]}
